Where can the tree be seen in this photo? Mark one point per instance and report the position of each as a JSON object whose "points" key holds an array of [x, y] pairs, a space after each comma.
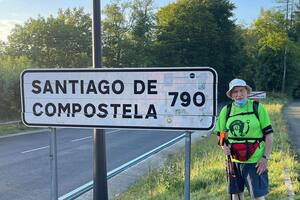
{"points": [[273, 37], [115, 38], [250, 52], [128, 34], [2, 48], [10, 69], [295, 36], [141, 33], [272, 40], [199, 33], [287, 7], [62, 41]]}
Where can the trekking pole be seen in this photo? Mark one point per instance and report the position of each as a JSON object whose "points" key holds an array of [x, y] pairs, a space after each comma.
{"points": [[229, 164], [222, 141]]}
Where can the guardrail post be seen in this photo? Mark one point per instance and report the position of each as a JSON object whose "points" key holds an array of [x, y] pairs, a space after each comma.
{"points": [[187, 165], [53, 165]]}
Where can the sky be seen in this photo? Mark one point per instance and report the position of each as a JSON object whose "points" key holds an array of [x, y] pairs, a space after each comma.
{"points": [[17, 11]]}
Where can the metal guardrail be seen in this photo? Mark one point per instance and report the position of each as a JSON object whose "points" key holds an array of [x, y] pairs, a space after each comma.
{"points": [[88, 186]]}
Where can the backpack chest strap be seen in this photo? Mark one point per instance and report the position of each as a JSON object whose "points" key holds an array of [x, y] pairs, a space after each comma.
{"points": [[260, 139]]}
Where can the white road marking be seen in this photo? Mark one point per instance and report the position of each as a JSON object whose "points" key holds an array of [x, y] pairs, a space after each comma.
{"points": [[114, 131], [75, 140], [79, 139], [36, 149], [84, 138], [288, 183]]}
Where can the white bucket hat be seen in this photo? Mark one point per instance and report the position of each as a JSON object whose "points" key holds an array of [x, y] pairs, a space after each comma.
{"points": [[237, 82]]}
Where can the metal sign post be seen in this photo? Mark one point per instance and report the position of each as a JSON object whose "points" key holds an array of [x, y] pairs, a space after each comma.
{"points": [[100, 171], [53, 165], [187, 165]]}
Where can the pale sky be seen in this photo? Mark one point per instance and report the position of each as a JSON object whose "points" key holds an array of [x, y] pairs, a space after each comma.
{"points": [[17, 11]]}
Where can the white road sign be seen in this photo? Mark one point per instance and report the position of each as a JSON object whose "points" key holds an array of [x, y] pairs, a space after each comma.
{"points": [[258, 95], [152, 98]]}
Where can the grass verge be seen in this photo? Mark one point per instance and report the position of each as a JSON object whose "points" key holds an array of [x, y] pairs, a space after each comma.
{"points": [[208, 179], [7, 129]]}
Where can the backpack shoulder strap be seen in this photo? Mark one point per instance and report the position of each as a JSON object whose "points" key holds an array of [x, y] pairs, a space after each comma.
{"points": [[255, 109], [229, 106]]}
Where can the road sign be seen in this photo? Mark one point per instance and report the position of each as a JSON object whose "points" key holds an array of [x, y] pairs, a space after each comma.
{"points": [[257, 95], [151, 98]]}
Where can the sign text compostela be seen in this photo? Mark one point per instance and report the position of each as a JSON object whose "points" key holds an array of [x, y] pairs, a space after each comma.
{"points": [[148, 98]]}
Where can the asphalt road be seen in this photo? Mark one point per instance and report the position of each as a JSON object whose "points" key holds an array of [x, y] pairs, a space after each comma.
{"points": [[25, 163], [292, 115]]}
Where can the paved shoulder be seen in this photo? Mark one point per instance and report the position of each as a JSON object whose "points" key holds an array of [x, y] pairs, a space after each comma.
{"points": [[292, 115]]}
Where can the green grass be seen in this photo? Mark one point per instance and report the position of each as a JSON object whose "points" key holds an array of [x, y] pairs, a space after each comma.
{"points": [[208, 179], [8, 129]]}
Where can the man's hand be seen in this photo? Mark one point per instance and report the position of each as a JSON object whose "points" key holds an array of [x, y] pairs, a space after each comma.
{"points": [[226, 150], [261, 166]]}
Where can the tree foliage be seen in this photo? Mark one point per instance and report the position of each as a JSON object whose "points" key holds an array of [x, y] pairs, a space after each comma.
{"points": [[62, 41], [2, 48], [199, 33], [10, 69], [115, 37], [128, 34], [270, 39], [141, 33]]}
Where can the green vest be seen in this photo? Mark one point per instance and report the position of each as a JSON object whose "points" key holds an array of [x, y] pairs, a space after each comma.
{"points": [[243, 123]]}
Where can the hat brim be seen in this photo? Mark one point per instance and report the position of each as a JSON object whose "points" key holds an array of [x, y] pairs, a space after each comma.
{"points": [[228, 93]]}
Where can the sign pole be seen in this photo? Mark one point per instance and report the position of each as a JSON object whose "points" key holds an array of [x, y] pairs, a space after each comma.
{"points": [[187, 165], [53, 164], [100, 172]]}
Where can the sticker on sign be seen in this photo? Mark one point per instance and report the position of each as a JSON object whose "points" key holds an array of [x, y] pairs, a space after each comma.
{"points": [[151, 98]]}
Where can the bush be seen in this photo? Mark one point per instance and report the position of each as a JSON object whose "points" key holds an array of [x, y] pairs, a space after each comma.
{"points": [[10, 100]]}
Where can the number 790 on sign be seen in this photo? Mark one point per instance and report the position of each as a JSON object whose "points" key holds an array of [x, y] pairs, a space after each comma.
{"points": [[186, 98]]}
